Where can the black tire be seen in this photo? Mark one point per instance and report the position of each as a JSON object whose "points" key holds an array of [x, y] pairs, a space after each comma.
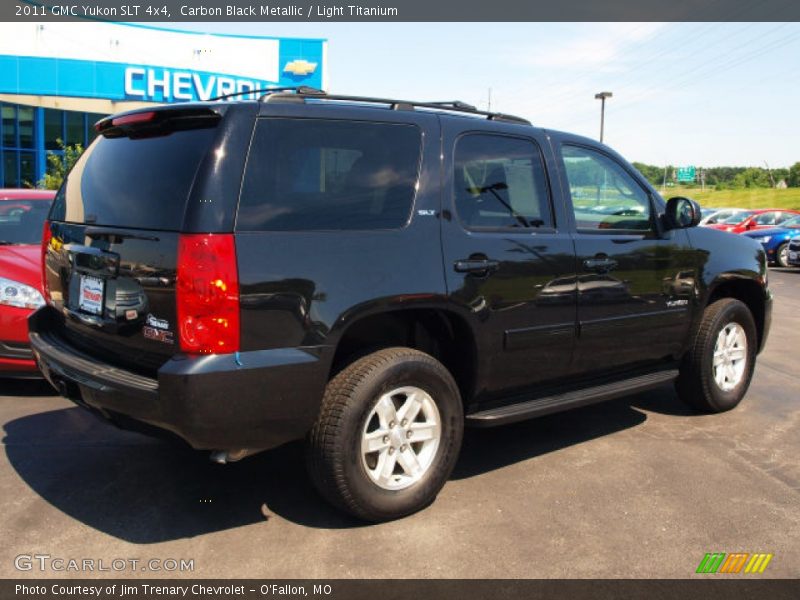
{"points": [[334, 456], [782, 255], [696, 384]]}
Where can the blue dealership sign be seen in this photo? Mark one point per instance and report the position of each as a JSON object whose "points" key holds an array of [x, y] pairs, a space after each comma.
{"points": [[147, 83]]}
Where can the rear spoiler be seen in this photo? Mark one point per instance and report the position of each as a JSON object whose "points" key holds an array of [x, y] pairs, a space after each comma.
{"points": [[152, 123]]}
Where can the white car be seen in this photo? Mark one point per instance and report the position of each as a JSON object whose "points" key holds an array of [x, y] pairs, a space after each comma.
{"points": [[719, 215]]}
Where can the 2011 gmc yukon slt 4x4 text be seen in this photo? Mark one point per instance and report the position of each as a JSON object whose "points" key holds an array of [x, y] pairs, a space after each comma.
{"points": [[373, 275]]}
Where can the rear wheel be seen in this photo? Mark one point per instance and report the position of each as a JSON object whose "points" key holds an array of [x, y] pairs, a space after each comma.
{"points": [[782, 255], [387, 436], [716, 371]]}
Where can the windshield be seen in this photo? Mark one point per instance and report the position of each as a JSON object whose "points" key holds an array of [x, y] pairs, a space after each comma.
{"points": [[737, 218], [21, 221]]}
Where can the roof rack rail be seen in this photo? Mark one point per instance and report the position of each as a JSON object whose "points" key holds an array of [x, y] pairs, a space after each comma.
{"points": [[458, 104], [300, 89], [299, 94]]}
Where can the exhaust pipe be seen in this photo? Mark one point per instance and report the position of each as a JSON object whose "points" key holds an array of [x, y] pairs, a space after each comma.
{"points": [[223, 457]]}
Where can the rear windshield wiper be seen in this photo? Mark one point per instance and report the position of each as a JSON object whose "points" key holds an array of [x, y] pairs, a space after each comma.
{"points": [[95, 232]]}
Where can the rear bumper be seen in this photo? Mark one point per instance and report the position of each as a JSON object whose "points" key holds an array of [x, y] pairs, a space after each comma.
{"points": [[214, 402]]}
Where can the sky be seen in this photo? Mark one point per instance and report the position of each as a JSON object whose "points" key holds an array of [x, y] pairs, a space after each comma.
{"points": [[703, 94]]}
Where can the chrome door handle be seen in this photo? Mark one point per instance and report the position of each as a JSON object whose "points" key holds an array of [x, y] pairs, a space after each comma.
{"points": [[479, 266], [600, 264]]}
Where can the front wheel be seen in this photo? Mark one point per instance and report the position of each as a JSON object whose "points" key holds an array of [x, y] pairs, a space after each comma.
{"points": [[387, 436], [717, 370]]}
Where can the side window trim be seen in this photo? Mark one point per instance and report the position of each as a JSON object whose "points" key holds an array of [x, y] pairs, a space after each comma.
{"points": [[654, 227], [550, 227]]}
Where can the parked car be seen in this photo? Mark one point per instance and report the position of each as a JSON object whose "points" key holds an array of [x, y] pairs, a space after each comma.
{"points": [[22, 217], [776, 240], [366, 274], [793, 254], [754, 219], [715, 215]]}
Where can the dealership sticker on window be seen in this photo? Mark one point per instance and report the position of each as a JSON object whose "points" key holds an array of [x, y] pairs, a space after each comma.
{"points": [[91, 295]]}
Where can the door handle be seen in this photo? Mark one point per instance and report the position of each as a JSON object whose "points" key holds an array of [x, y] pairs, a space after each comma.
{"points": [[601, 264], [481, 266]]}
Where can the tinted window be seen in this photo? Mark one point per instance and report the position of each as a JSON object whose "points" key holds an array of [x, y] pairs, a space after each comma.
{"points": [[736, 218], [53, 128], [25, 116], [500, 182], [141, 183], [604, 195], [22, 221], [305, 174], [9, 125]]}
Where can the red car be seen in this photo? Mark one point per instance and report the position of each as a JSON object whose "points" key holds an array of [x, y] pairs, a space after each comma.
{"points": [[22, 216], [750, 220]]}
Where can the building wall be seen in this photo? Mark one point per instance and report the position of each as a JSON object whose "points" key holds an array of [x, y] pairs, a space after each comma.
{"points": [[59, 78]]}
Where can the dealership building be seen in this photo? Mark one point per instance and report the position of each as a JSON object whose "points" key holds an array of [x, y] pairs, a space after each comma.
{"points": [[58, 79]]}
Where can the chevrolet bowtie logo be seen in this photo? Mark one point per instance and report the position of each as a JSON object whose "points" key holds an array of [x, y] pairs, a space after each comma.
{"points": [[300, 67]]}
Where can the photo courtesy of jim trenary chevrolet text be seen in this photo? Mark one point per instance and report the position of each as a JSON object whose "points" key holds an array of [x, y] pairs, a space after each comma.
{"points": [[399, 299]]}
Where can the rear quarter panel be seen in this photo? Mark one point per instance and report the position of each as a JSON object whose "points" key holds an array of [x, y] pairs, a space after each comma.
{"points": [[304, 288]]}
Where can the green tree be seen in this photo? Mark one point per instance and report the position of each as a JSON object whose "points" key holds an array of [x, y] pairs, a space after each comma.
{"points": [[752, 177], [780, 174], [58, 166], [653, 174], [793, 180]]}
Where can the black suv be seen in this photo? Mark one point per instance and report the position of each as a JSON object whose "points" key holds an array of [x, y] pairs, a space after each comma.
{"points": [[372, 275]]}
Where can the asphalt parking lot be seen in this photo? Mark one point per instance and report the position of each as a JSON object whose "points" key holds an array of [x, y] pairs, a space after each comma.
{"points": [[638, 487]]}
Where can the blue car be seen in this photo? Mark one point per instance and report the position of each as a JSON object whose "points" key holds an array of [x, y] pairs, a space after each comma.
{"points": [[776, 241]]}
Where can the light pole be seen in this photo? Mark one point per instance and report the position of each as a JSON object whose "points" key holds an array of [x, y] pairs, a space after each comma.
{"points": [[602, 97]]}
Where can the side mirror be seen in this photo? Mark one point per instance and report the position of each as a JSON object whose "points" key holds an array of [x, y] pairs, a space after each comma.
{"points": [[682, 213]]}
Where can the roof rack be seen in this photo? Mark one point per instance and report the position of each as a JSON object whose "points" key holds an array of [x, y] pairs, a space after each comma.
{"points": [[302, 89], [299, 94]]}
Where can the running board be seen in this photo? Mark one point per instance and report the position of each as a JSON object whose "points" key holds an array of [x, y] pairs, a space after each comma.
{"points": [[558, 402]]}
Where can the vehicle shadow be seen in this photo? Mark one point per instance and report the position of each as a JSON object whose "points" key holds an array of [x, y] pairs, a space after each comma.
{"points": [[144, 491], [489, 449]]}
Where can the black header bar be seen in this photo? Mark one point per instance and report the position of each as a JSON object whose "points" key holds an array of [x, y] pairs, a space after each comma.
{"points": [[401, 10]]}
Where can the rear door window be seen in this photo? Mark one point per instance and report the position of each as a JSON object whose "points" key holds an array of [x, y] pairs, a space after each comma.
{"points": [[500, 182], [316, 174]]}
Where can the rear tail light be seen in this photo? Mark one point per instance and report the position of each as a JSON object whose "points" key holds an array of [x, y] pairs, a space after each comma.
{"points": [[47, 234], [207, 294]]}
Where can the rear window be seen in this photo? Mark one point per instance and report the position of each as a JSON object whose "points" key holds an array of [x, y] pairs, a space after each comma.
{"points": [[139, 183], [312, 174]]}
